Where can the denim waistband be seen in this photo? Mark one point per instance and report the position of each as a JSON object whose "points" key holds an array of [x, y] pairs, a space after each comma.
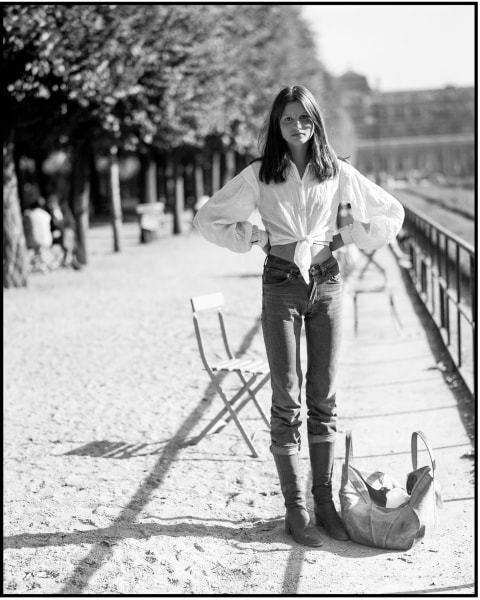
{"points": [[271, 259]]}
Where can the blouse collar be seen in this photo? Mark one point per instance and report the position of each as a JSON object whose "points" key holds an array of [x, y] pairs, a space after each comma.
{"points": [[293, 168]]}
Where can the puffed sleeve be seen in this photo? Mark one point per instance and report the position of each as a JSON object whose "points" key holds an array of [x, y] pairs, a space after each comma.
{"points": [[223, 220], [371, 205]]}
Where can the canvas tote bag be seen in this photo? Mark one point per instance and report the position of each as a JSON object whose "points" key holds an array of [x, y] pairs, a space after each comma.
{"points": [[364, 500]]}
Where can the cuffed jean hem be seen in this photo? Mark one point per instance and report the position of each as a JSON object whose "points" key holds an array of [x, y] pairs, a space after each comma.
{"points": [[285, 450], [318, 439]]}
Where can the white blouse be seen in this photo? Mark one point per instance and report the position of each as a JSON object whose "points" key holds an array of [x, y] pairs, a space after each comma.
{"points": [[301, 210]]}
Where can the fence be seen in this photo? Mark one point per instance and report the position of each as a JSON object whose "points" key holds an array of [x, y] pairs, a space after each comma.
{"points": [[443, 272]]}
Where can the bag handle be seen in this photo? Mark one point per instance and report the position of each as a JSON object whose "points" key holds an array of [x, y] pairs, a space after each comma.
{"points": [[414, 450], [437, 498], [348, 448], [348, 456]]}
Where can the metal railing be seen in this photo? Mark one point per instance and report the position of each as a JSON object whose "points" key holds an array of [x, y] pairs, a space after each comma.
{"points": [[444, 274]]}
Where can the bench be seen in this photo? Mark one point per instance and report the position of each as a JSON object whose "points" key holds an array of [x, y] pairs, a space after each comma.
{"points": [[151, 218]]}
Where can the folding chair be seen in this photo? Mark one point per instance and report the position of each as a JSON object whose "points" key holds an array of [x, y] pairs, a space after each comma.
{"points": [[383, 287], [247, 369]]}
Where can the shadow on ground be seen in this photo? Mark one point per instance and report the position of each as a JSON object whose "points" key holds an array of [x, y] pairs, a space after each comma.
{"points": [[246, 531]]}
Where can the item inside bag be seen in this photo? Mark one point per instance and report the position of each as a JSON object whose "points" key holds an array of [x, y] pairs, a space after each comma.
{"points": [[414, 476], [385, 490]]}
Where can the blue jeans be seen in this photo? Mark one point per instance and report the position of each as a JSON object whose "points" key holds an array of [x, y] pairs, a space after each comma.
{"points": [[287, 301]]}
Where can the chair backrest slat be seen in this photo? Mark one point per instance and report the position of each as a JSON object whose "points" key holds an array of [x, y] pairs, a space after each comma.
{"points": [[207, 301], [212, 302]]}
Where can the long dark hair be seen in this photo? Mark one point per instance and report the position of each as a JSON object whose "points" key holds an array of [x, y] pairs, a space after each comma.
{"points": [[274, 149]]}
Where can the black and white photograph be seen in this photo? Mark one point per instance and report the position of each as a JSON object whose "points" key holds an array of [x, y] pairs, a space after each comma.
{"points": [[240, 299]]}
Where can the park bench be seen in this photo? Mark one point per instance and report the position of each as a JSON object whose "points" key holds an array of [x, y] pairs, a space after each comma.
{"points": [[151, 219]]}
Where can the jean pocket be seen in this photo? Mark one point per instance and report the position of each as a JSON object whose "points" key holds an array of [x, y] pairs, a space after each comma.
{"points": [[275, 276]]}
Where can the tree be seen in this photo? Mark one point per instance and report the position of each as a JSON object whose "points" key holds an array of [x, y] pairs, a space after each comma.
{"points": [[275, 48], [14, 246], [103, 72], [162, 79]]}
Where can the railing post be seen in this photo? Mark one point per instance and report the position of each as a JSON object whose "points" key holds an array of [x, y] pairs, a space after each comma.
{"points": [[459, 324], [473, 294], [447, 287], [423, 277], [434, 270], [450, 285]]}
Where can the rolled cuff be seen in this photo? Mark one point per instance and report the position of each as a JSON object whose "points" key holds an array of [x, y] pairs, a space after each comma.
{"points": [[235, 236], [319, 439], [240, 241], [259, 237], [288, 449], [377, 236]]}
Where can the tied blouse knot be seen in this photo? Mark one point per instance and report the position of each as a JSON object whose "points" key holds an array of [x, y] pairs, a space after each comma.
{"points": [[301, 210]]}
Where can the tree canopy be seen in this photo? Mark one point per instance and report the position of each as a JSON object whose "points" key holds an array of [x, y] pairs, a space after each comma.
{"points": [[96, 79], [161, 76]]}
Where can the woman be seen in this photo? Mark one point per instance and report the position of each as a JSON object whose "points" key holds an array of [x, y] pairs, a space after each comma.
{"points": [[297, 186]]}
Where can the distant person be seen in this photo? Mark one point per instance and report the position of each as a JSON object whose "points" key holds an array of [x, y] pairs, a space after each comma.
{"points": [[297, 186], [63, 230], [38, 234]]}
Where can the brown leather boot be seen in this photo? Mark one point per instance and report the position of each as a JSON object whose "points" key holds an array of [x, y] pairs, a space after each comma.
{"points": [[322, 456], [297, 519]]}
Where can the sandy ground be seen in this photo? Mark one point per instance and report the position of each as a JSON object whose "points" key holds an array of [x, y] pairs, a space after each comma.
{"points": [[103, 389]]}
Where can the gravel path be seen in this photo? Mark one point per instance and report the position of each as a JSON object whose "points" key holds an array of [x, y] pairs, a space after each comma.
{"points": [[103, 388]]}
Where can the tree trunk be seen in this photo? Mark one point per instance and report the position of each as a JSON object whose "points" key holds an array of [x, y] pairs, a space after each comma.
{"points": [[199, 187], [115, 199], [161, 178], [20, 178], [81, 198], [149, 178], [42, 179], [216, 161], [95, 202], [14, 246], [229, 166], [179, 206], [170, 183]]}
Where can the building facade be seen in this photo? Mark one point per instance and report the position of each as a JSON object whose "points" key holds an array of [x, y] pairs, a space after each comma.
{"points": [[420, 134]]}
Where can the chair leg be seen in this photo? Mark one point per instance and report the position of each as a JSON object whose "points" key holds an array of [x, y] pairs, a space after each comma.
{"points": [[252, 396], [222, 413], [395, 316], [355, 314], [229, 408], [238, 424], [256, 402]]}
